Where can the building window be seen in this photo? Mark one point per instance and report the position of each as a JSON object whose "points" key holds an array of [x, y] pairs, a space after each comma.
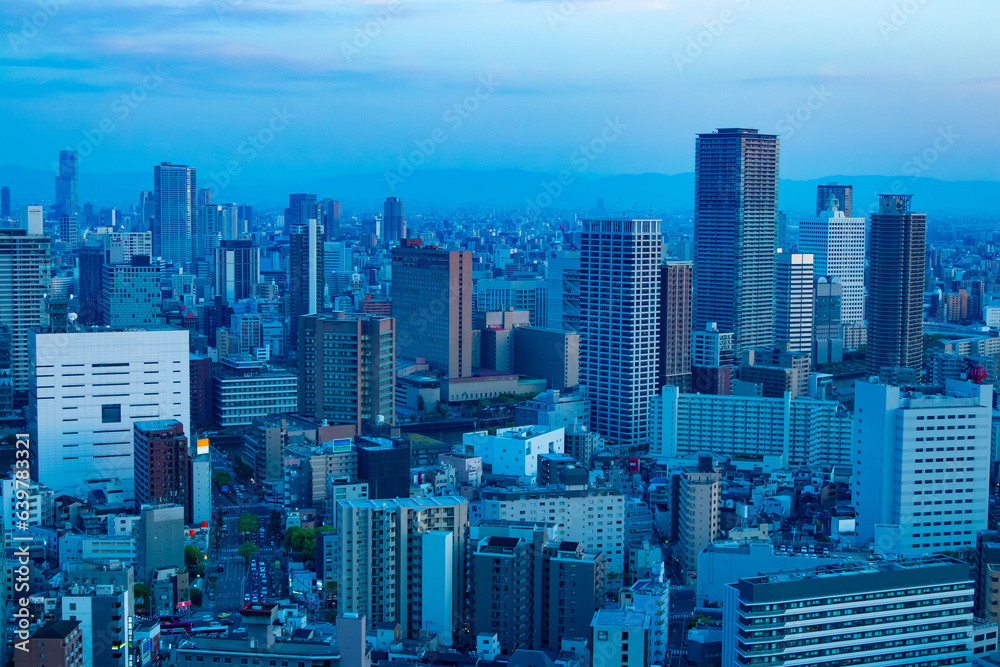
{"points": [[111, 414], [602, 635]]}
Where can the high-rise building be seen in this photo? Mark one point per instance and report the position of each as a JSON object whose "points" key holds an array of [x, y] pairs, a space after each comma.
{"points": [[237, 269], [56, 644], [131, 294], [834, 197], [305, 273], [330, 219], [67, 196], [161, 462], [402, 560], [620, 638], [393, 224], [146, 211], [910, 611], [384, 465], [25, 273], [68, 233], [106, 379], [563, 292], [620, 316], [794, 302], [906, 500], [500, 294], [837, 243], [676, 283], [895, 285], [301, 209], [4, 202], [549, 354], [159, 539], [828, 338], [735, 234], [347, 370], [432, 306], [175, 212], [699, 511]]}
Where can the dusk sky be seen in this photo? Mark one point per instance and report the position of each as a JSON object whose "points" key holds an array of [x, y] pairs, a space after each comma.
{"points": [[886, 80]]}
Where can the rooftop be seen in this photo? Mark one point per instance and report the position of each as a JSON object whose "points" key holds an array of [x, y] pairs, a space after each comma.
{"points": [[416, 503], [623, 618], [56, 630]]}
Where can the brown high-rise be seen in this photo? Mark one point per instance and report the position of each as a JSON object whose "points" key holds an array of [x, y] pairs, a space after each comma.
{"points": [[432, 305], [676, 279], [895, 285], [161, 462]]}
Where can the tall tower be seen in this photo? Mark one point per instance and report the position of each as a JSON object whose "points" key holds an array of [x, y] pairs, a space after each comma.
{"points": [[735, 234], [237, 269], [67, 196], [675, 325], [331, 219], [305, 274], [620, 317], [301, 209], [393, 225], [175, 212], [25, 272], [837, 243], [834, 197], [4, 202], [895, 285], [794, 302]]}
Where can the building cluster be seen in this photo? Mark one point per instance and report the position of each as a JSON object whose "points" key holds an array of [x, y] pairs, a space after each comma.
{"points": [[742, 437]]}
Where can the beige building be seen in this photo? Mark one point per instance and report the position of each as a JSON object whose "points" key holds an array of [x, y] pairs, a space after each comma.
{"points": [[698, 514]]}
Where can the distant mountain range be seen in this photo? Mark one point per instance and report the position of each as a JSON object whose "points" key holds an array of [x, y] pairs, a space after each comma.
{"points": [[633, 194]]}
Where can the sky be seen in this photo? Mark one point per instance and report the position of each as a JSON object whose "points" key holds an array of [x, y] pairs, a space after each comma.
{"points": [[299, 89]]}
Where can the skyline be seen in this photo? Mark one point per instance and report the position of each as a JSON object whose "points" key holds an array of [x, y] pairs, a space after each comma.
{"points": [[321, 98]]}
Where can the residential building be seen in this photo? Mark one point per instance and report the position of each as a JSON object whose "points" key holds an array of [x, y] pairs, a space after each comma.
{"points": [[161, 462], [621, 638], [676, 284], [55, 644], [175, 212], [25, 274], [699, 510], [103, 617]]}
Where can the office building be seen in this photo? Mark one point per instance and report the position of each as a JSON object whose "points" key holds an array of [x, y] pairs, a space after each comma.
{"points": [[794, 302], [432, 306], [403, 561], [594, 517], [834, 197], [837, 243], [514, 451], [4, 202], [771, 373], [67, 194], [25, 270], [895, 285], [393, 224], [385, 465], [547, 353], [131, 294], [330, 219], [712, 360], [735, 234], [620, 318], [237, 269], [912, 611], [55, 644], [906, 500], [175, 212], [347, 372], [160, 539], [551, 588], [828, 338], [501, 294], [805, 431], [244, 388], [306, 283], [562, 277], [676, 284], [301, 209], [68, 233], [161, 462], [87, 389]]}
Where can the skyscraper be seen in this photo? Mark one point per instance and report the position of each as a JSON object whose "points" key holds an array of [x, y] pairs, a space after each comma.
{"points": [[828, 337], [237, 269], [305, 273], [161, 462], [331, 219], [837, 243], [620, 317], [175, 212], [131, 294], [735, 234], [834, 197], [68, 233], [794, 302], [4, 202], [25, 272], [675, 325], [67, 197], [895, 285], [432, 306], [347, 369], [301, 209], [393, 225]]}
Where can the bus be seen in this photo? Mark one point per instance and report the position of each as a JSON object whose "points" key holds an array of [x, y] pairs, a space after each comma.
{"points": [[175, 628]]}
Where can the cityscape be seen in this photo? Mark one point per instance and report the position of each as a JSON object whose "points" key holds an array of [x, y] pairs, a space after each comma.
{"points": [[704, 387]]}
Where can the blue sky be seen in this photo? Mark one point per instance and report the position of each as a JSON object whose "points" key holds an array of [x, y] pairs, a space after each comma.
{"points": [[873, 83]]}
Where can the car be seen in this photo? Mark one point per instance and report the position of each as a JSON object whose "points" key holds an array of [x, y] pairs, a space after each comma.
{"points": [[240, 631], [220, 568], [246, 597]]}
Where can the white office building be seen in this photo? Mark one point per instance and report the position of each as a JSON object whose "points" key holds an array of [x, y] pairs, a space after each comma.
{"points": [[86, 390], [837, 244], [499, 294], [921, 466], [794, 302], [514, 451], [35, 500], [805, 431]]}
